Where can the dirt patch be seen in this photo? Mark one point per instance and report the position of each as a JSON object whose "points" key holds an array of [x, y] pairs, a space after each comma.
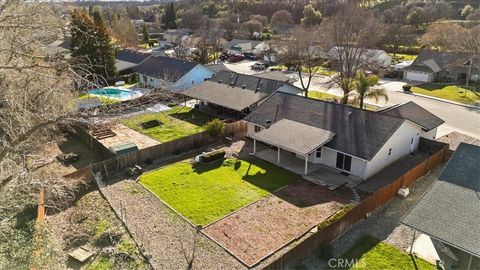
{"points": [[265, 226], [70, 144], [92, 223], [455, 138], [127, 135]]}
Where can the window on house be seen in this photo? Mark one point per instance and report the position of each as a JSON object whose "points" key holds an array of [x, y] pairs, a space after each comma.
{"points": [[145, 78], [344, 162], [318, 154], [193, 81], [151, 79], [411, 141], [257, 128], [389, 151]]}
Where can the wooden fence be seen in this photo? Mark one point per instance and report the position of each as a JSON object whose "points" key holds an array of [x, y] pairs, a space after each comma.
{"points": [[108, 167], [368, 205]]}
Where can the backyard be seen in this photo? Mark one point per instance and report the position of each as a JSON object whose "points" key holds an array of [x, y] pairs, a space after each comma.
{"points": [[371, 253], [178, 122], [450, 92], [203, 193]]}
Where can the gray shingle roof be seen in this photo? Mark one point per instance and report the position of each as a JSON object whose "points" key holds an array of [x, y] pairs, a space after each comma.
{"points": [[165, 68], [284, 133], [450, 209], [126, 59], [233, 90], [234, 42], [359, 132], [444, 60], [415, 113]]}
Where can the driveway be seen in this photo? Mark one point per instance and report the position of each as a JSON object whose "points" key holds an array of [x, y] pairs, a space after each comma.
{"points": [[242, 67]]}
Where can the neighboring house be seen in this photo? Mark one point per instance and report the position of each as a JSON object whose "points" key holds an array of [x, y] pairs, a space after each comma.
{"points": [[174, 35], [58, 47], [371, 58], [127, 60], [234, 95], [449, 212], [432, 66], [240, 46], [170, 73], [351, 140]]}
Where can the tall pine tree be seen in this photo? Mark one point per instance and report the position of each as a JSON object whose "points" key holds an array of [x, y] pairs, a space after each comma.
{"points": [[170, 17], [91, 44]]}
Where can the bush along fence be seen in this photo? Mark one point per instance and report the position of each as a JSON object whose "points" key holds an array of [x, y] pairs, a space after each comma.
{"points": [[235, 130], [375, 200]]}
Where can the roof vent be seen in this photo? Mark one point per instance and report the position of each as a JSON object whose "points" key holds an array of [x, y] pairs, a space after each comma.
{"points": [[349, 115], [219, 81], [231, 83], [244, 86], [269, 122], [257, 89]]}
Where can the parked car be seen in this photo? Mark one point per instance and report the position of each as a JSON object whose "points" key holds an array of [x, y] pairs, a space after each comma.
{"points": [[250, 56], [224, 56], [259, 66], [236, 58]]}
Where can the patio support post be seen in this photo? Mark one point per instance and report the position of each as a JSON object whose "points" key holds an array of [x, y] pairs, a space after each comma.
{"points": [[278, 155], [254, 146], [306, 164], [470, 262]]}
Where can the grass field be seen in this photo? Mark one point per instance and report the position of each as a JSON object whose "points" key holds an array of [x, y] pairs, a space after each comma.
{"points": [[177, 123], [204, 193], [450, 92], [103, 99], [371, 253], [402, 57], [322, 96]]}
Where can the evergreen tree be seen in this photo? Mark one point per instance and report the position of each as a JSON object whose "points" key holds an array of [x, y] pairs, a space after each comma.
{"points": [[91, 44], [146, 37], [170, 17]]}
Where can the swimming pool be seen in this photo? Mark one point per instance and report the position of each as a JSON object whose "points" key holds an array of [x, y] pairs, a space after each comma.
{"points": [[116, 93]]}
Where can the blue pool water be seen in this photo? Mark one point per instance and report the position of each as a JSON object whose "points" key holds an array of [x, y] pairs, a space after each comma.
{"points": [[115, 93]]}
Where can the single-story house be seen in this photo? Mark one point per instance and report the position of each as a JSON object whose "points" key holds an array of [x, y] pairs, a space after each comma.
{"points": [[449, 212], [174, 35], [432, 66], [171, 73], [126, 60], [240, 46], [235, 95], [350, 140], [371, 58]]}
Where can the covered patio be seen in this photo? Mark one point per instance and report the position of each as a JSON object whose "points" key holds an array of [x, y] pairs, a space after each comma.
{"points": [[293, 137]]}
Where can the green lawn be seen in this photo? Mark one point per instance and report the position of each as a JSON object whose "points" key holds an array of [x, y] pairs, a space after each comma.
{"points": [[204, 193], [374, 254], [178, 122], [402, 57], [322, 96], [450, 92]]}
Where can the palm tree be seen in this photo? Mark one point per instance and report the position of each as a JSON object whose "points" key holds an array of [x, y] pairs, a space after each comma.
{"points": [[362, 88]]}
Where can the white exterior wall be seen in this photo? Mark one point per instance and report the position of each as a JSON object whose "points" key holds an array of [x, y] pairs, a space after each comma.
{"points": [[431, 135], [197, 75], [329, 158], [401, 145]]}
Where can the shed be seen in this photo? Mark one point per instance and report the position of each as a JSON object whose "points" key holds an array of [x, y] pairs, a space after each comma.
{"points": [[125, 148]]}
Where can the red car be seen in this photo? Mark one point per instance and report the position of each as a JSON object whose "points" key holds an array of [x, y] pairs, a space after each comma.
{"points": [[235, 58]]}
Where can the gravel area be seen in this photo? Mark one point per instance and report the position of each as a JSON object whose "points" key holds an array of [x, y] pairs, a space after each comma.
{"points": [[127, 135], [162, 234], [382, 224]]}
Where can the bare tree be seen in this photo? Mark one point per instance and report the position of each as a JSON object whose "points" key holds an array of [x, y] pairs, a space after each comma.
{"points": [[451, 37], [348, 36], [35, 97], [299, 52]]}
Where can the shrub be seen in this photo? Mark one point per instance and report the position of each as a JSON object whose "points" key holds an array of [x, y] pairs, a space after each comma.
{"points": [[407, 87], [212, 156], [215, 127]]}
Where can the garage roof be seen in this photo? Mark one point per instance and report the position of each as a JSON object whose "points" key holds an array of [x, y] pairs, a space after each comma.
{"points": [[449, 210]]}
